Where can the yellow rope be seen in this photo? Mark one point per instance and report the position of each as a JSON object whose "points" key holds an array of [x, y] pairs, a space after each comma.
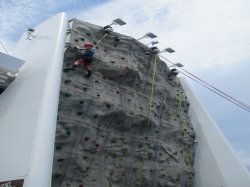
{"points": [[152, 92], [150, 110], [101, 39], [184, 133]]}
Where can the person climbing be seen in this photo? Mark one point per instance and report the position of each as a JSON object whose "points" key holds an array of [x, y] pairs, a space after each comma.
{"points": [[86, 59]]}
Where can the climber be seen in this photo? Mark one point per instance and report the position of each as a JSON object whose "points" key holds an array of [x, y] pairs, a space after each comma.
{"points": [[86, 59]]}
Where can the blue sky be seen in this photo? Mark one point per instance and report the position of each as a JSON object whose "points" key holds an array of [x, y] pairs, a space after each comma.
{"points": [[211, 38]]}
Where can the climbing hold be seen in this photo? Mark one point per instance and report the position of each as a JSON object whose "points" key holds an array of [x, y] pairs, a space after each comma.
{"points": [[123, 58], [84, 89], [79, 113], [76, 40], [67, 81], [81, 185], [117, 39], [96, 81], [105, 50], [108, 105], [58, 147], [86, 138], [115, 45], [65, 70], [94, 42], [68, 132], [95, 116], [112, 62], [97, 145], [60, 160], [67, 94], [117, 92], [57, 175], [104, 77], [82, 39], [81, 102], [98, 95], [88, 34], [85, 157]]}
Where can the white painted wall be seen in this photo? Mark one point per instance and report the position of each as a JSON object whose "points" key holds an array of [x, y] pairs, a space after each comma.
{"points": [[10, 63], [28, 107], [215, 164]]}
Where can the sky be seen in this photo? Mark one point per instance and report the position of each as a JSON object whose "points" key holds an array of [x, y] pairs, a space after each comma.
{"points": [[211, 39]]}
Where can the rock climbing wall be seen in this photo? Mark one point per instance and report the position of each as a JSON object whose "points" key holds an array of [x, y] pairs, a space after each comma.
{"points": [[113, 130]]}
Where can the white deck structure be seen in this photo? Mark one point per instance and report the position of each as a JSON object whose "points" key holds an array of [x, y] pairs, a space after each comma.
{"points": [[28, 112]]}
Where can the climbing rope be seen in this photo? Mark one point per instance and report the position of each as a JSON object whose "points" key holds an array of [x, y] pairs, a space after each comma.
{"points": [[186, 154], [152, 91], [99, 41], [149, 113]]}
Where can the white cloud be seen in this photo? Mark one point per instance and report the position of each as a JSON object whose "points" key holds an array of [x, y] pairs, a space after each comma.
{"points": [[205, 34]]}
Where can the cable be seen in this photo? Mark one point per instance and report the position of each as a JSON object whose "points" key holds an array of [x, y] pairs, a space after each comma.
{"points": [[217, 89], [4, 47], [211, 88]]}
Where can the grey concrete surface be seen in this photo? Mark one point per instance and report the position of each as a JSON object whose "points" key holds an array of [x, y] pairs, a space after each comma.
{"points": [[106, 134]]}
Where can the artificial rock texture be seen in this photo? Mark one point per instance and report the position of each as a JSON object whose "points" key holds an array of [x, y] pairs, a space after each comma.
{"points": [[106, 134]]}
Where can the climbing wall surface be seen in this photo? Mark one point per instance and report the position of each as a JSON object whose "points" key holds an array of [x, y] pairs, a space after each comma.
{"points": [[108, 132]]}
